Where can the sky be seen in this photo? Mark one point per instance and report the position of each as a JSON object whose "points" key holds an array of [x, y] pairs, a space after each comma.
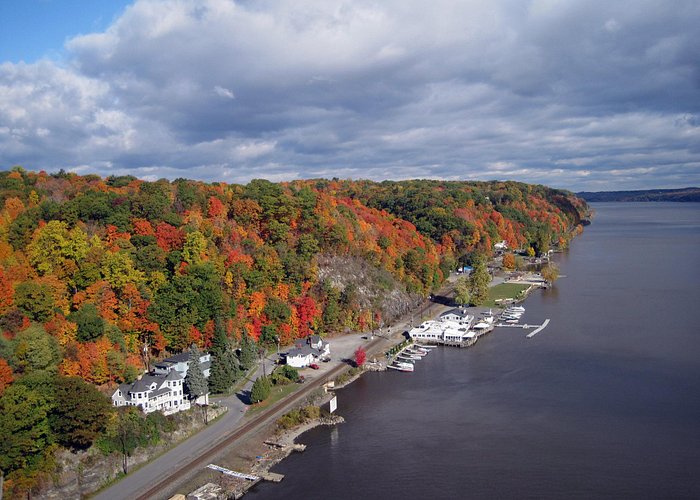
{"points": [[582, 95]]}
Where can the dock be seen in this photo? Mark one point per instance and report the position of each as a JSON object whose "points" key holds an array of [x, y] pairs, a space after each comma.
{"points": [[272, 476], [539, 329]]}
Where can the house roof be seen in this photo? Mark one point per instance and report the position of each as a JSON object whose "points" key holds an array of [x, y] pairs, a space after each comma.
{"points": [[173, 375], [178, 358], [315, 339], [156, 393], [301, 351], [144, 384], [462, 313]]}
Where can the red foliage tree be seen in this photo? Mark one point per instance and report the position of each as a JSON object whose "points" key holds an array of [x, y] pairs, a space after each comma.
{"points": [[6, 377], [216, 208], [7, 293], [169, 237], [360, 356], [307, 311]]}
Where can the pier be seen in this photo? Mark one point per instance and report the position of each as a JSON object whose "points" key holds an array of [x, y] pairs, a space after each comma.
{"points": [[539, 329]]}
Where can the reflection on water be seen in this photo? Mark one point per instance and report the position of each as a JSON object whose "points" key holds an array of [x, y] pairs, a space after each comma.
{"points": [[603, 403]]}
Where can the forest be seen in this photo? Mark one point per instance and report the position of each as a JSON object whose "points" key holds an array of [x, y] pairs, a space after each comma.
{"points": [[100, 277]]}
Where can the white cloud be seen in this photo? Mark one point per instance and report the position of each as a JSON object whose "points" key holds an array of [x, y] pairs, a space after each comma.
{"points": [[542, 91], [224, 92]]}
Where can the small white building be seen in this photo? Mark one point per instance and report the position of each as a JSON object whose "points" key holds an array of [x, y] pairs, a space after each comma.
{"points": [[501, 245], [300, 357], [307, 351], [460, 316]]}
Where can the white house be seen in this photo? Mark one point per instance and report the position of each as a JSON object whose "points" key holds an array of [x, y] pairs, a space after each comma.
{"points": [[180, 363], [501, 245], [308, 350], [152, 393], [300, 357], [458, 316]]}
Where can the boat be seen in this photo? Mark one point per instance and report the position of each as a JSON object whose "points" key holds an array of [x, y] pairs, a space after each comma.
{"points": [[425, 347], [401, 366], [409, 355]]}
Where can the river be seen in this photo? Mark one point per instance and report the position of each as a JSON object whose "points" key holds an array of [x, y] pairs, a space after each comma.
{"points": [[603, 403]]}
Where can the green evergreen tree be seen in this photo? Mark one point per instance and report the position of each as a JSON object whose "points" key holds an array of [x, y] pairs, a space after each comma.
{"points": [[261, 389], [248, 353], [224, 366], [195, 383]]}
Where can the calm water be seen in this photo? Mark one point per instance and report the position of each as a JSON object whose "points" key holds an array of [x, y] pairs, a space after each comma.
{"points": [[603, 403]]}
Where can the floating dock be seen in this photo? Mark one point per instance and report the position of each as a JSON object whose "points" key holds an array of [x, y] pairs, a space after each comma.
{"points": [[539, 329]]}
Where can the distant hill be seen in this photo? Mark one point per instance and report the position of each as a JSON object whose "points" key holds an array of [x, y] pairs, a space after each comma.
{"points": [[682, 194]]}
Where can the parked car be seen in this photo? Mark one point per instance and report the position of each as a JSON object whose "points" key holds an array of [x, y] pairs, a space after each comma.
{"points": [[313, 366]]}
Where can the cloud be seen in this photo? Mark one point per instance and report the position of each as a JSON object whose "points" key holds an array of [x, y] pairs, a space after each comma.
{"points": [[223, 92], [570, 94]]}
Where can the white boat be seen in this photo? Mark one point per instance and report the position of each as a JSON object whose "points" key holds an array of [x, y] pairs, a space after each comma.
{"points": [[402, 366], [409, 355], [425, 347], [510, 316], [399, 369]]}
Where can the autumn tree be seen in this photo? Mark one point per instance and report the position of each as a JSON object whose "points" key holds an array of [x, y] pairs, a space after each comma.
{"points": [[508, 261], [6, 376], [360, 356], [462, 291], [35, 300], [479, 283], [81, 413], [550, 272], [123, 434], [34, 349]]}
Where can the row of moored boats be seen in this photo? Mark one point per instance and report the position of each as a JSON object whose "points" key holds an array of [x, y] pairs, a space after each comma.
{"points": [[406, 359], [512, 314]]}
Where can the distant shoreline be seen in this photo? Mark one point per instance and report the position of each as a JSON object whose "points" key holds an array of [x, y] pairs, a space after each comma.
{"points": [[686, 194]]}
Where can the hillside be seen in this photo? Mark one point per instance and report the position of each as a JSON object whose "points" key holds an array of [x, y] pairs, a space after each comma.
{"points": [[99, 277], [682, 194]]}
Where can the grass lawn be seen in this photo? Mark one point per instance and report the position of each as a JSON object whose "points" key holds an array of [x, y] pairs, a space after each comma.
{"points": [[278, 392], [504, 291]]}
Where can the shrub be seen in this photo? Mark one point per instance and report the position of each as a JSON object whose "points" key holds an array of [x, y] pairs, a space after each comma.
{"points": [[290, 372], [261, 389]]}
